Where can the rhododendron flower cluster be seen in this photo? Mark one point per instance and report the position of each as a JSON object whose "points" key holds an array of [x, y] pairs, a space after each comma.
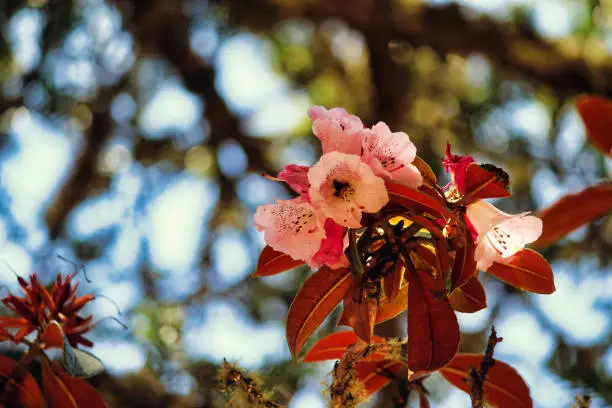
{"points": [[384, 237], [347, 181]]}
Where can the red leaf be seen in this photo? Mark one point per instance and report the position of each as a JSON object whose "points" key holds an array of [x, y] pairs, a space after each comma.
{"points": [[428, 175], [426, 256], [360, 310], [386, 309], [503, 386], [428, 225], [573, 211], [464, 266], [596, 113], [442, 256], [485, 181], [433, 331], [393, 282], [28, 393], [389, 308], [423, 401], [412, 198], [469, 298], [56, 393], [317, 298], [526, 270], [376, 375], [333, 346], [83, 393], [272, 262], [53, 335]]}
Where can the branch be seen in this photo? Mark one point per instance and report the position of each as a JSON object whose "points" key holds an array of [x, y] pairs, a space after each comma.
{"points": [[477, 377], [161, 26], [511, 47], [84, 174], [389, 79]]}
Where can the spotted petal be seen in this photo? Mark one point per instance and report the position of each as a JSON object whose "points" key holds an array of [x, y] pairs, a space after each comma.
{"points": [[390, 154], [296, 177], [337, 129], [291, 226], [343, 187], [500, 235]]}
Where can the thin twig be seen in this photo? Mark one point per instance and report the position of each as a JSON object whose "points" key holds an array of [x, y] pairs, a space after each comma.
{"points": [[477, 377]]}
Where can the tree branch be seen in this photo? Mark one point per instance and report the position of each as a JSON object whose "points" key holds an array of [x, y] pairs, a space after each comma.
{"points": [[84, 174], [389, 80], [515, 48]]}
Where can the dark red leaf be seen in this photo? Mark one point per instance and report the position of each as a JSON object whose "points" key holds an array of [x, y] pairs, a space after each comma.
{"points": [[53, 335], [56, 393], [423, 401], [28, 394], [82, 392], [485, 181], [433, 331], [425, 256], [333, 346], [412, 198], [387, 309], [596, 113], [393, 282], [526, 270], [469, 298], [426, 223], [573, 211], [428, 175], [272, 262], [376, 375], [503, 386], [464, 265], [442, 256], [360, 310], [316, 299]]}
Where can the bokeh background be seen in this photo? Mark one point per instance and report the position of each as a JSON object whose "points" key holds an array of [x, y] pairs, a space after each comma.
{"points": [[134, 134]]}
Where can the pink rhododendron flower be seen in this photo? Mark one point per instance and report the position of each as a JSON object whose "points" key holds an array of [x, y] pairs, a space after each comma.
{"points": [[390, 155], [500, 235], [343, 187], [337, 129], [332, 248], [297, 178], [457, 166], [291, 226]]}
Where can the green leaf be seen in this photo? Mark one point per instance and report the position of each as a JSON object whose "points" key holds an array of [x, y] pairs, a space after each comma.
{"points": [[79, 363]]}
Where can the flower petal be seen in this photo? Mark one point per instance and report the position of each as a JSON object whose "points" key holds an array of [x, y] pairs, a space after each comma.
{"points": [[500, 235], [483, 216], [291, 226], [296, 177], [512, 235], [456, 166], [331, 252], [390, 155], [337, 129], [343, 187]]}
